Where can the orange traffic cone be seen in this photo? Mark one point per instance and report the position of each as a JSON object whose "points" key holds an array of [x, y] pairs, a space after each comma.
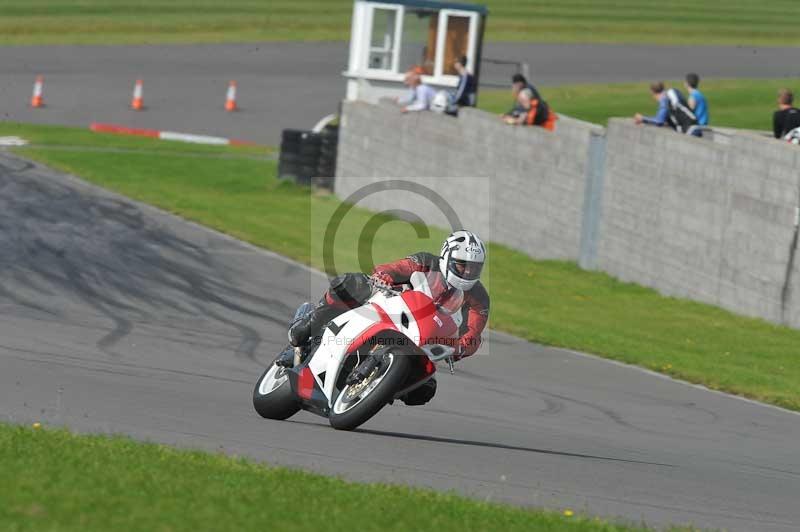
{"points": [[37, 100], [137, 103], [230, 101]]}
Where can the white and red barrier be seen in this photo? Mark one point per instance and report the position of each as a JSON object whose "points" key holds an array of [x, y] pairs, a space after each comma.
{"points": [[168, 135], [137, 104]]}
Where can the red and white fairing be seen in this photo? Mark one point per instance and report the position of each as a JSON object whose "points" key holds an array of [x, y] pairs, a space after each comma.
{"points": [[419, 314]]}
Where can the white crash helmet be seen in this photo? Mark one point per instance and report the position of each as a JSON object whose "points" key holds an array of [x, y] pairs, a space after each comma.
{"points": [[441, 102], [461, 259]]}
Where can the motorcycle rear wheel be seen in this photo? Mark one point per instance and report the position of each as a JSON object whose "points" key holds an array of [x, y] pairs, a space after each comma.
{"points": [[273, 397], [356, 404]]}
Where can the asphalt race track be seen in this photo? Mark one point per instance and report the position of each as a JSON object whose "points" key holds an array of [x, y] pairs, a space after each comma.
{"points": [[293, 85], [115, 317]]}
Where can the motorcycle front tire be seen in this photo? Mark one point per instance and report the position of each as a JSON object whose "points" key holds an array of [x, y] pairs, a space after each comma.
{"points": [[378, 398]]}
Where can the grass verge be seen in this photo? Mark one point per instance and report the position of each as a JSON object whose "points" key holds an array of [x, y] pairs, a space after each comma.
{"points": [[700, 22], [551, 302], [55, 480], [739, 103]]}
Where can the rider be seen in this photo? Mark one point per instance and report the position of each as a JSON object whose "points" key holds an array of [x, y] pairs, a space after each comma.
{"points": [[460, 262]]}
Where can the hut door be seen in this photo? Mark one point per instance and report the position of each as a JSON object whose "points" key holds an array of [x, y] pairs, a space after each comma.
{"points": [[457, 38], [456, 42]]}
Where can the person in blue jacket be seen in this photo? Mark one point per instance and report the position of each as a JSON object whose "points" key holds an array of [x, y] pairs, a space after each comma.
{"points": [[673, 111], [659, 94], [464, 95], [697, 101]]}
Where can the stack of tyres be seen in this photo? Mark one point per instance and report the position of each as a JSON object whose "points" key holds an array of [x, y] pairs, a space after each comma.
{"points": [[300, 154], [327, 157]]}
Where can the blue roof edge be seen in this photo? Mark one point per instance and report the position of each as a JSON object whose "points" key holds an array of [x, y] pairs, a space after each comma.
{"points": [[431, 4]]}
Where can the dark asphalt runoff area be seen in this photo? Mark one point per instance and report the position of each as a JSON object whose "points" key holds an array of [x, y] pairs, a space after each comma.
{"points": [[116, 317], [293, 85]]}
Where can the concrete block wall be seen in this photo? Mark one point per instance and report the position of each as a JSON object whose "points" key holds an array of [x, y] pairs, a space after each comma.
{"points": [[709, 221], [661, 190], [524, 187], [793, 308], [765, 194]]}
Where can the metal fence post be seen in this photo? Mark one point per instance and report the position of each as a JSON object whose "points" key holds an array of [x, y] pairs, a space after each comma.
{"points": [[593, 200]]}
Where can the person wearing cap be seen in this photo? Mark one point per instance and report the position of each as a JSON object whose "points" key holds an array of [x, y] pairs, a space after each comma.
{"points": [[420, 95]]}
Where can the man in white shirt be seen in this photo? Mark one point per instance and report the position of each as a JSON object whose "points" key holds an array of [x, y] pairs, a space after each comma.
{"points": [[420, 96]]}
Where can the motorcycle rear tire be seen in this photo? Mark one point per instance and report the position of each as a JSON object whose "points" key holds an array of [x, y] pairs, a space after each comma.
{"points": [[280, 403]]}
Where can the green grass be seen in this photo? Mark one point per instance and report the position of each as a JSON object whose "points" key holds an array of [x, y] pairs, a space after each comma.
{"points": [[55, 480], [735, 22], [545, 301], [740, 103]]}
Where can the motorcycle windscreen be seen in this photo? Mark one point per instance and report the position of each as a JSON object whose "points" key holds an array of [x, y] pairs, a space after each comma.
{"points": [[422, 323], [446, 298]]}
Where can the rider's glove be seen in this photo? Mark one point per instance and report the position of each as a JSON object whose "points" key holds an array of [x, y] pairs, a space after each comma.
{"points": [[467, 345], [384, 278], [458, 354]]}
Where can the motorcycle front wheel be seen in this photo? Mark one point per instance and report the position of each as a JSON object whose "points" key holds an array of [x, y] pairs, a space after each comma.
{"points": [[357, 403]]}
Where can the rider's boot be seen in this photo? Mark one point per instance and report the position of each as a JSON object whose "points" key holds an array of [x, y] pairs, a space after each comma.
{"points": [[421, 395], [345, 292], [301, 330], [286, 358]]}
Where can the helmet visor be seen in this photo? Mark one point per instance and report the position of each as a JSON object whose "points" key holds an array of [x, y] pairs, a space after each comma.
{"points": [[467, 270]]}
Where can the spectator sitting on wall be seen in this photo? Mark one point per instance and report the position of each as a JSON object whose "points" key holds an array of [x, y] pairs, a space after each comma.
{"points": [[697, 101], [464, 96], [787, 118], [673, 111], [532, 112], [420, 96]]}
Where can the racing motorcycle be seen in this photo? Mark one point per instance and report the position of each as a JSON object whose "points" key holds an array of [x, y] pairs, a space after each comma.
{"points": [[367, 357]]}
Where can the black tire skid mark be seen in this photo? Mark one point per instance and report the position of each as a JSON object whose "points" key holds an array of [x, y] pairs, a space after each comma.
{"points": [[128, 370], [554, 403], [7, 294], [609, 413], [186, 334], [32, 284], [249, 338], [688, 405], [145, 270]]}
